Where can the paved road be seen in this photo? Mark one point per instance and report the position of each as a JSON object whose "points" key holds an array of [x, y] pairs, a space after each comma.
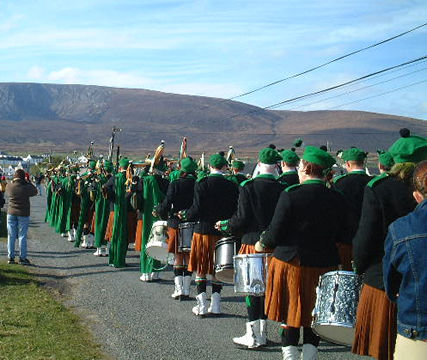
{"points": [[135, 320]]}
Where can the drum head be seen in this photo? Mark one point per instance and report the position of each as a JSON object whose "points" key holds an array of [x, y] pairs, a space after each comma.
{"points": [[335, 333], [158, 251]]}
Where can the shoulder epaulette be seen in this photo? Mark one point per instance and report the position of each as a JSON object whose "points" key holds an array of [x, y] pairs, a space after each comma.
{"points": [[339, 177], [243, 183], [377, 179], [292, 187]]}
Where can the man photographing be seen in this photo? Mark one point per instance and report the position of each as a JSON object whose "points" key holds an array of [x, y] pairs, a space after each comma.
{"points": [[19, 192]]}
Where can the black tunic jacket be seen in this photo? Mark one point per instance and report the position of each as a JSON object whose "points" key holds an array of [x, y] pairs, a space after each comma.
{"points": [[215, 198], [352, 186], [255, 209], [308, 222], [383, 202], [179, 196]]}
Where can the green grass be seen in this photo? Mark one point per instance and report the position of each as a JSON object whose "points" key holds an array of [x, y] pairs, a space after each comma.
{"points": [[33, 325]]}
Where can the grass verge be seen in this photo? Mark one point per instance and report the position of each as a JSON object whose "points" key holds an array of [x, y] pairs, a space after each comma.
{"points": [[33, 325]]}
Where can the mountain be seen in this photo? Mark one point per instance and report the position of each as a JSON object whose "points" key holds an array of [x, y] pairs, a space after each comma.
{"points": [[41, 117]]}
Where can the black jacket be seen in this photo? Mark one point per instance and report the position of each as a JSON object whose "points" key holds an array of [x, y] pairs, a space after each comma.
{"points": [[308, 222], [289, 178], [215, 198], [384, 201], [352, 186], [179, 196], [255, 209]]}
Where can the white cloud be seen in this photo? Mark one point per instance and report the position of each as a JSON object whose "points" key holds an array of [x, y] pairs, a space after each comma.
{"points": [[36, 73]]}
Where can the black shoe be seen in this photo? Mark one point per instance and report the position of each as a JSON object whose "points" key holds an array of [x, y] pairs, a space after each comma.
{"points": [[11, 261], [24, 261]]}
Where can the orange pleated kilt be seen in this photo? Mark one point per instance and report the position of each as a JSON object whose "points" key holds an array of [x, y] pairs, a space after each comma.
{"points": [[92, 225], [345, 252], [110, 225], [246, 249], [173, 240], [202, 254], [376, 325], [138, 235], [131, 222], [290, 294]]}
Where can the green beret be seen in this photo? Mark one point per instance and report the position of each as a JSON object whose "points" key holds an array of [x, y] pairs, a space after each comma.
{"points": [[92, 164], [386, 159], [409, 148], [318, 156], [269, 156], [124, 163], [298, 142], [188, 165], [108, 165], [217, 161], [290, 157], [237, 164], [353, 154]]}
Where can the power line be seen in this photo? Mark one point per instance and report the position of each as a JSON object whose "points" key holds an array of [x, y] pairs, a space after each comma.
{"points": [[377, 95], [358, 89], [342, 84], [327, 63]]}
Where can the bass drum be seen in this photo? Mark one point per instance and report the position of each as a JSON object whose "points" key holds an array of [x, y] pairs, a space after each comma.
{"points": [[225, 249], [334, 316], [250, 274], [157, 246]]}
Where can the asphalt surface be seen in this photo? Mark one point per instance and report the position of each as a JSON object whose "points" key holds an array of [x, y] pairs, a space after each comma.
{"points": [[136, 320]]}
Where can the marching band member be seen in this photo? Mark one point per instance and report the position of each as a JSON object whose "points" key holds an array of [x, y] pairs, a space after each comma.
{"points": [[289, 163], [385, 161], [102, 209], [386, 198], [308, 221], [215, 198], [351, 185], [237, 175], [154, 189], [119, 240], [86, 208], [179, 197], [257, 201]]}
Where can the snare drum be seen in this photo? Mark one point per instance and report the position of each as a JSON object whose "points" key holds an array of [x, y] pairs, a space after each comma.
{"points": [[157, 247], [225, 249], [334, 316], [185, 236], [250, 274]]}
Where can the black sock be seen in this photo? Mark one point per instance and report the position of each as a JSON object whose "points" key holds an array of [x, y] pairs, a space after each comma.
{"points": [[252, 304], [201, 286], [178, 271], [290, 336], [216, 288], [187, 273], [309, 337]]}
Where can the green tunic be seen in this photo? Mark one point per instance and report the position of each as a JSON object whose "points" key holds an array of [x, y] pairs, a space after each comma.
{"points": [[102, 212], [119, 238], [152, 197]]}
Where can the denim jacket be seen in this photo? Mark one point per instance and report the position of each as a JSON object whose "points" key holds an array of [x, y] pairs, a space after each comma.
{"points": [[405, 271]]}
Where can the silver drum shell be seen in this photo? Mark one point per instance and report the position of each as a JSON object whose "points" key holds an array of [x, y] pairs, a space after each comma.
{"points": [[250, 274]]}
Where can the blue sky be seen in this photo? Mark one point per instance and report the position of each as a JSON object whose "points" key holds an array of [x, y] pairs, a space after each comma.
{"points": [[222, 48]]}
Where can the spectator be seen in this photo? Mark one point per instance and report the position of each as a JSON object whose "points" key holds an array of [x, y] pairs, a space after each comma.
{"points": [[19, 192], [38, 180], [405, 273]]}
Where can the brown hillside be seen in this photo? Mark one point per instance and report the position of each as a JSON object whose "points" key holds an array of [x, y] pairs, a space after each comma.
{"points": [[41, 117]]}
